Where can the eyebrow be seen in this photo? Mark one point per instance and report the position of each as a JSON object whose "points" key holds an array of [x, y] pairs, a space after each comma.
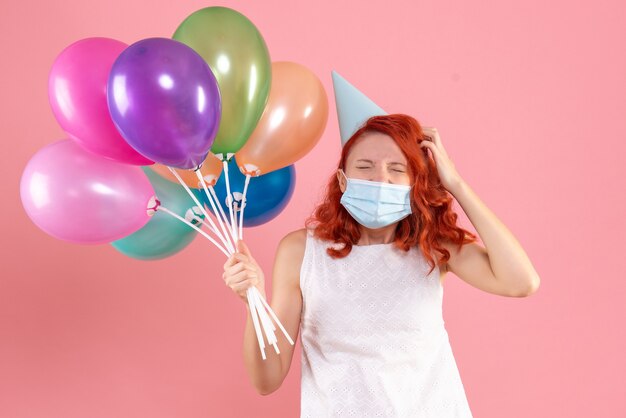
{"points": [[372, 162]]}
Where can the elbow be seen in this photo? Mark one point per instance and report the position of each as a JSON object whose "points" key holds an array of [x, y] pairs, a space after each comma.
{"points": [[531, 287], [267, 387], [535, 281], [266, 390]]}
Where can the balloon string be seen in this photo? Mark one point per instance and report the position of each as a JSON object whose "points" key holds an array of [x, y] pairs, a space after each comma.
{"points": [[214, 200], [169, 212], [268, 327], [229, 235], [255, 320], [195, 199], [269, 309], [219, 206], [236, 206], [243, 205], [208, 226], [230, 201]]}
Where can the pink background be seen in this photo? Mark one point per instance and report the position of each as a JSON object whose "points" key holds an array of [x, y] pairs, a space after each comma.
{"points": [[530, 99]]}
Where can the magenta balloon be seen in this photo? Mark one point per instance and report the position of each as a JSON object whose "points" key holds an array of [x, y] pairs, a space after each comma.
{"points": [[165, 101], [78, 196], [77, 93]]}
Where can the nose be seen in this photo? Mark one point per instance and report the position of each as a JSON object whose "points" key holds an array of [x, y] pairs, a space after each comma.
{"points": [[381, 175]]}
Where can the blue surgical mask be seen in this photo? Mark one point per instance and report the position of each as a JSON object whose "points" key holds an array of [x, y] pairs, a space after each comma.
{"points": [[374, 204]]}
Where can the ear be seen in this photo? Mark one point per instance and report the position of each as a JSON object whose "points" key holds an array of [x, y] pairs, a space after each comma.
{"points": [[342, 181]]}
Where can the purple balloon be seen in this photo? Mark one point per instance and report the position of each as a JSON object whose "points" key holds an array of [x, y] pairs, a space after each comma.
{"points": [[78, 196], [165, 101]]}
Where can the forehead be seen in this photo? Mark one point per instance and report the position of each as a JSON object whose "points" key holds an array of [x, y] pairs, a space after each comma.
{"points": [[375, 146]]}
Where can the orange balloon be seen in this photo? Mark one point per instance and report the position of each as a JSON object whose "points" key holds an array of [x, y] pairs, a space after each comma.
{"points": [[211, 169], [292, 123]]}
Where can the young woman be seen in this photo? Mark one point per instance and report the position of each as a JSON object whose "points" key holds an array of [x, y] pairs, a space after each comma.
{"points": [[363, 282]]}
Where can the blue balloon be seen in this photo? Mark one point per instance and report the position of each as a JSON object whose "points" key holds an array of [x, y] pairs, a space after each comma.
{"points": [[266, 197]]}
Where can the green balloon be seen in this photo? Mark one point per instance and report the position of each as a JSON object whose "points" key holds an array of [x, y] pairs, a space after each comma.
{"points": [[239, 58], [163, 235]]}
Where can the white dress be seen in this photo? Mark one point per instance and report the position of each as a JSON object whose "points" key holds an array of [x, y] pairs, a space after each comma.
{"points": [[373, 337]]}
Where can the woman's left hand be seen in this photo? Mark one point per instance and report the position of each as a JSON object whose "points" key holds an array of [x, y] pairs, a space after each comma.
{"points": [[450, 178]]}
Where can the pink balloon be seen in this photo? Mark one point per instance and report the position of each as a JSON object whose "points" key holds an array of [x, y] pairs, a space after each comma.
{"points": [[77, 90], [78, 196]]}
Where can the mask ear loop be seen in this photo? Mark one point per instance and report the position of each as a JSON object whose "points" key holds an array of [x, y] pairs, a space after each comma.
{"points": [[344, 174]]}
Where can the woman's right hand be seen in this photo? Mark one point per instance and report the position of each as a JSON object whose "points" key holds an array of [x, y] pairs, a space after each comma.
{"points": [[241, 271]]}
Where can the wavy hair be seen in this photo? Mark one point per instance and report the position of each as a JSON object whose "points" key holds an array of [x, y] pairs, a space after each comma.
{"points": [[432, 220]]}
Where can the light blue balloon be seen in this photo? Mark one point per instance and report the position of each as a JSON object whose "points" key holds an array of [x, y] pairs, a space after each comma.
{"points": [[163, 235]]}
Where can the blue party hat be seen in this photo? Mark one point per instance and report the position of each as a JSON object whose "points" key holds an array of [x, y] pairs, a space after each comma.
{"points": [[353, 107]]}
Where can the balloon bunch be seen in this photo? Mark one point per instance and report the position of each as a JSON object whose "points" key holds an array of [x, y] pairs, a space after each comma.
{"points": [[141, 118]]}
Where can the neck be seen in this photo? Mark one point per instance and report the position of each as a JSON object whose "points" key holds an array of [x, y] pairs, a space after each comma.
{"points": [[384, 235]]}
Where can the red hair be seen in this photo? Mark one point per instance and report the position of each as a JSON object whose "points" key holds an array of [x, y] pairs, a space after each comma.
{"points": [[432, 219]]}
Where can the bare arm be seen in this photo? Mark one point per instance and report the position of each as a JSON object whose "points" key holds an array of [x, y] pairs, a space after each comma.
{"points": [[503, 267], [241, 272]]}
